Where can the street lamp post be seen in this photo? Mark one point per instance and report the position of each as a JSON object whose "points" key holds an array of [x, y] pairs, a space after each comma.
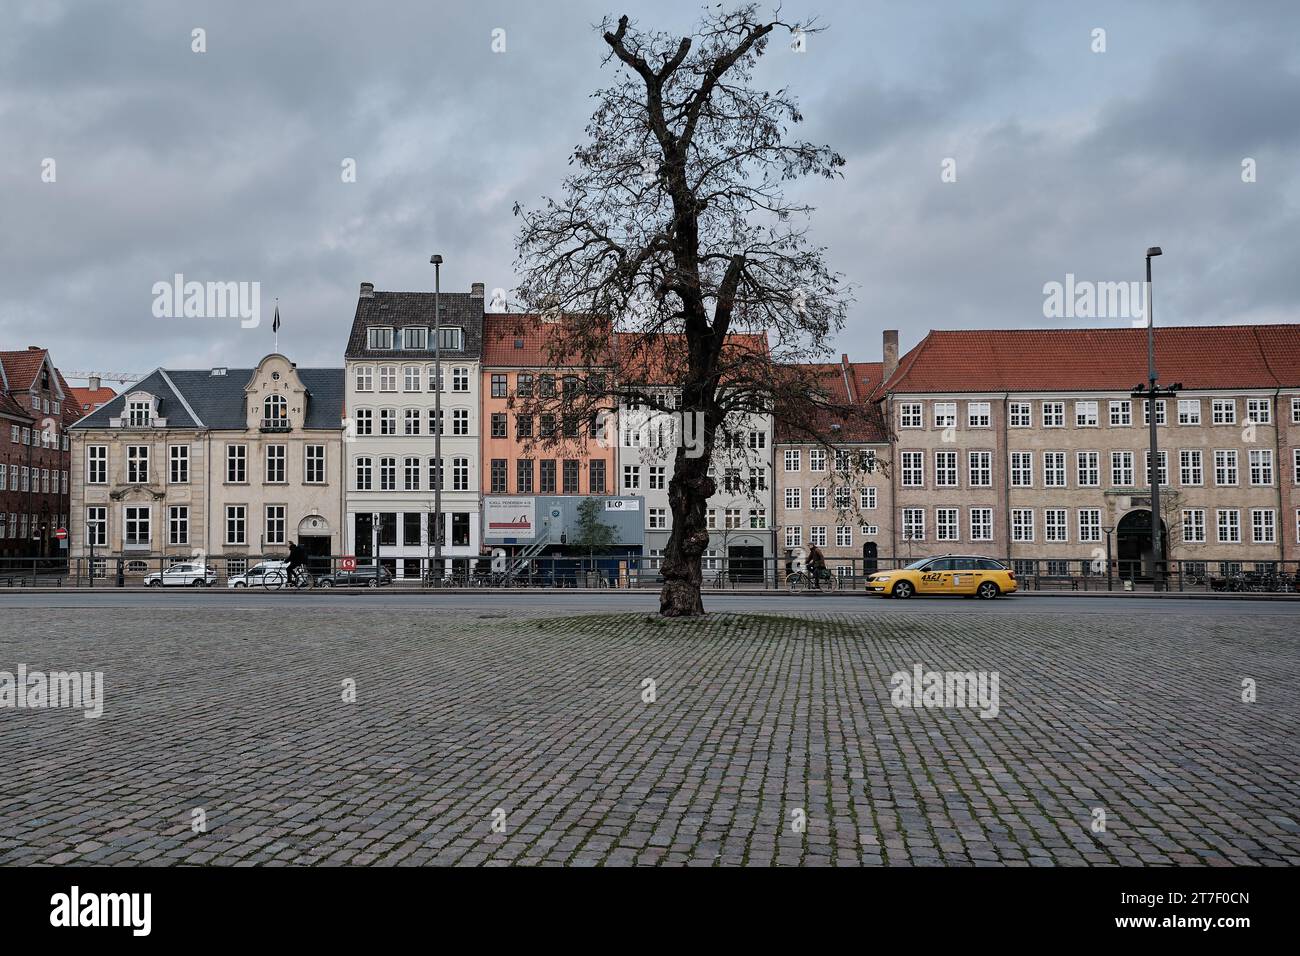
{"points": [[1109, 579], [436, 261], [1153, 465]]}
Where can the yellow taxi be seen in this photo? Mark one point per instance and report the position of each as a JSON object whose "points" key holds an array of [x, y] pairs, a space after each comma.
{"points": [[962, 574]]}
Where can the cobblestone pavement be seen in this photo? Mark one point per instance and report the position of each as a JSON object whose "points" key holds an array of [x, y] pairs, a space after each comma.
{"points": [[240, 714]]}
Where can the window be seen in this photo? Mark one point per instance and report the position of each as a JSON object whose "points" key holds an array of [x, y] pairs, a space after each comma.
{"points": [[388, 378], [275, 524], [1022, 469], [913, 475], [1225, 467], [596, 477], [451, 338], [380, 338], [387, 474], [1261, 466], [945, 524], [1259, 411], [816, 459], [657, 477], [497, 476], [499, 387], [913, 524], [411, 376], [524, 384], [499, 425], [460, 379], [658, 519], [1121, 413], [388, 421], [363, 472], [1194, 526], [793, 499], [460, 474], [1160, 412], [546, 476], [757, 441], [1053, 469], [435, 475], [793, 536], [631, 477], [96, 527], [1295, 465], [1189, 411], [275, 412], [1053, 414], [1089, 524], [909, 415], [363, 377], [1085, 415], [1223, 411], [817, 536], [1162, 467], [792, 457], [137, 464], [96, 465], [978, 414], [236, 464], [411, 475], [843, 497], [1191, 469], [843, 460], [140, 413], [843, 537], [981, 524], [1121, 468], [275, 465], [945, 414], [1022, 524], [1055, 527], [980, 469], [236, 524], [136, 531], [178, 471], [1088, 469], [945, 469], [524, 476], [569, 474], [460, 421], [1229, 526], [1295, 411], [817, 499], [732, 517], [867, 498], [364, 420]]}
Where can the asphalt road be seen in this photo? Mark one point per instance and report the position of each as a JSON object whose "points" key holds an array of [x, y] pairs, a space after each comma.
{"points": [[645, 601]]}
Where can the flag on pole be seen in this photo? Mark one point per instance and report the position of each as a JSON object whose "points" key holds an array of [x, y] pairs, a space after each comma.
{"points": [[275, 323]]}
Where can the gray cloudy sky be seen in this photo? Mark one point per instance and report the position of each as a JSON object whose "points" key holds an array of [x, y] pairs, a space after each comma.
{"points": [[226, 165]]}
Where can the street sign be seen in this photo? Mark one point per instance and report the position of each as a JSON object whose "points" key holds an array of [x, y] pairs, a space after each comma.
{"points": [[61, 533], [348, 563]]}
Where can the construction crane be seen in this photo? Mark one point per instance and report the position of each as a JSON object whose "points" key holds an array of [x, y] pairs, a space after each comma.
{"points": [[120, 377]]}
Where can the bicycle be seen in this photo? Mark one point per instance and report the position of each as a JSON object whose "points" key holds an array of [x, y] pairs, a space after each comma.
{"points": [[276, 579], [799, 581]]}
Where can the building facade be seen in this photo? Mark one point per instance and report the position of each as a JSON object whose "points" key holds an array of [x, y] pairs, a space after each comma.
{"points": [[392, 393], [36, 409], [234, 463]]}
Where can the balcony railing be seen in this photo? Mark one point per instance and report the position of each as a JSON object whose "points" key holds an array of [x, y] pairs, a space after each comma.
{"points": [[275, 425]]}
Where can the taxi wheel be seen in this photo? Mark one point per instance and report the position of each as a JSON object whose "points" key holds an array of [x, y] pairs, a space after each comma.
{"points": [[988, 590], [903, 589]]}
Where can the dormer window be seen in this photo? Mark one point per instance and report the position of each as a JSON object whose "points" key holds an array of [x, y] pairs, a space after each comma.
{"points": [[139, 413], [381, 337], [275, 413], [452, 339], [415, 337]]}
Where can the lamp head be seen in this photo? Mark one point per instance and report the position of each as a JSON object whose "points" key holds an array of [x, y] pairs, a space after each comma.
{"points": [[1153, 252], [436, 259]]}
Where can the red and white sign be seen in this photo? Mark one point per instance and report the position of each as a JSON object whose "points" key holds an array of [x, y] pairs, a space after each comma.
{"points": [[348, 563], [61, 533]]}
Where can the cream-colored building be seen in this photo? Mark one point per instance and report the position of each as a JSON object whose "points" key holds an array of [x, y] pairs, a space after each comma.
{"points": [[228, 463]]}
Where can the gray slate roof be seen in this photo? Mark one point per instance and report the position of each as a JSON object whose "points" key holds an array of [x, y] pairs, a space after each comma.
{"points": [[400, 309], [218, 400]]}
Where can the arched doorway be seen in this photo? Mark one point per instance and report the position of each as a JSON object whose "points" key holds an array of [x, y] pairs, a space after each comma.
{"points": [[1133, 545], [314, 534]]}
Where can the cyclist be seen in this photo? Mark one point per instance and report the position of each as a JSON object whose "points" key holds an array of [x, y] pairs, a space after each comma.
{"points": [[297, 562], [816, 566]]}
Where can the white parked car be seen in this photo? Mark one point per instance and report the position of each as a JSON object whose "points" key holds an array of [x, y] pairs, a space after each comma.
{"points": [[182, 575], [256, 575]]}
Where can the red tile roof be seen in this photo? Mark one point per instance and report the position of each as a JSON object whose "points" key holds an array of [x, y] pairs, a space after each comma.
{"points": [[21, 367], [850, 384], [646, 358], [526, 340], [88, 398], [1097, 360]]}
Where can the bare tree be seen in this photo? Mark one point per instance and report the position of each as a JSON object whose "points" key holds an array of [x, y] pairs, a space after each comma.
{"points": [[676, 227]]}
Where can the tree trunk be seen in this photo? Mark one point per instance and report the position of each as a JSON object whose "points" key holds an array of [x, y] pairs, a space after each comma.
{"points": [[688, 495]]}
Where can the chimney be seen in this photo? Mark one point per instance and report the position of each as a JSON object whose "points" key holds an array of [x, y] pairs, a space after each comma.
{"points": [[889, 354], [367, 290], [476, 290], [94, 383]]}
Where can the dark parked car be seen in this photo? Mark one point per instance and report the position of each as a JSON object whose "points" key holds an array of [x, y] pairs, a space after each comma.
{"points": [[369, 577]]}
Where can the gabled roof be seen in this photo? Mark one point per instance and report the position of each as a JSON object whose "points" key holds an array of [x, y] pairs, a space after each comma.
{"points": [[19, 369], [526, 340], [218, 401], [1100, 360], [92, 396], [402, 309], [850, 384]]}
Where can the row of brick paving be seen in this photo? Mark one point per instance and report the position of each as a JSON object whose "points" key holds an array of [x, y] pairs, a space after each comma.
{"points": [[525, 740]]}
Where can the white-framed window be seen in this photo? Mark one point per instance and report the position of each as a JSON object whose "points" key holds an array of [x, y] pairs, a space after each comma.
{"points": [[1020, 414], [139, 413], [981, 524], [388, 378], [415, 337], [909, 415], [1121, 413], [411, 377], [817, 535], [913, 524], [757, 441], [460, 421], [96, 526], [1162, 467], [1053, 469], [379, 337], [137, 464], [1259, 411], [1191, 467], [236, 464], [978, 415], [843, 536], [843, 497], [459, 379], [1194, 525], [363, 378], [1229, 525], [758, 518], [1022, 469], [388, 473], [388, 421], [631, 477], [1263, 525], [945, 414], [1085, 415], [1089, 524], [1160, 411], [658, 519], [657, 477], [1053, 414], [1022, 524], [793, 536], [945, 469], [96, 465], [460, 474], [1189, 411], [980, 469], [236, 524], [363, 467], [1056, 524], [867, 498], [178, 525], [276, 472], [137, 529], [178, 467], [1295, 465], [816, 459], [411, 469], [792, 457], [793, 499], [945, 524], [1261, 466], [913, 470], [1223, 411], [363, 420], [1088, 469], [817, 498], [1121, 469], [1225, 467]]}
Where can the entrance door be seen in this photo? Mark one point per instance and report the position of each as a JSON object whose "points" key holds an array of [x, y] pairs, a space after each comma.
{"points": [[745, 563], [1133, 545], [318, 552]]}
